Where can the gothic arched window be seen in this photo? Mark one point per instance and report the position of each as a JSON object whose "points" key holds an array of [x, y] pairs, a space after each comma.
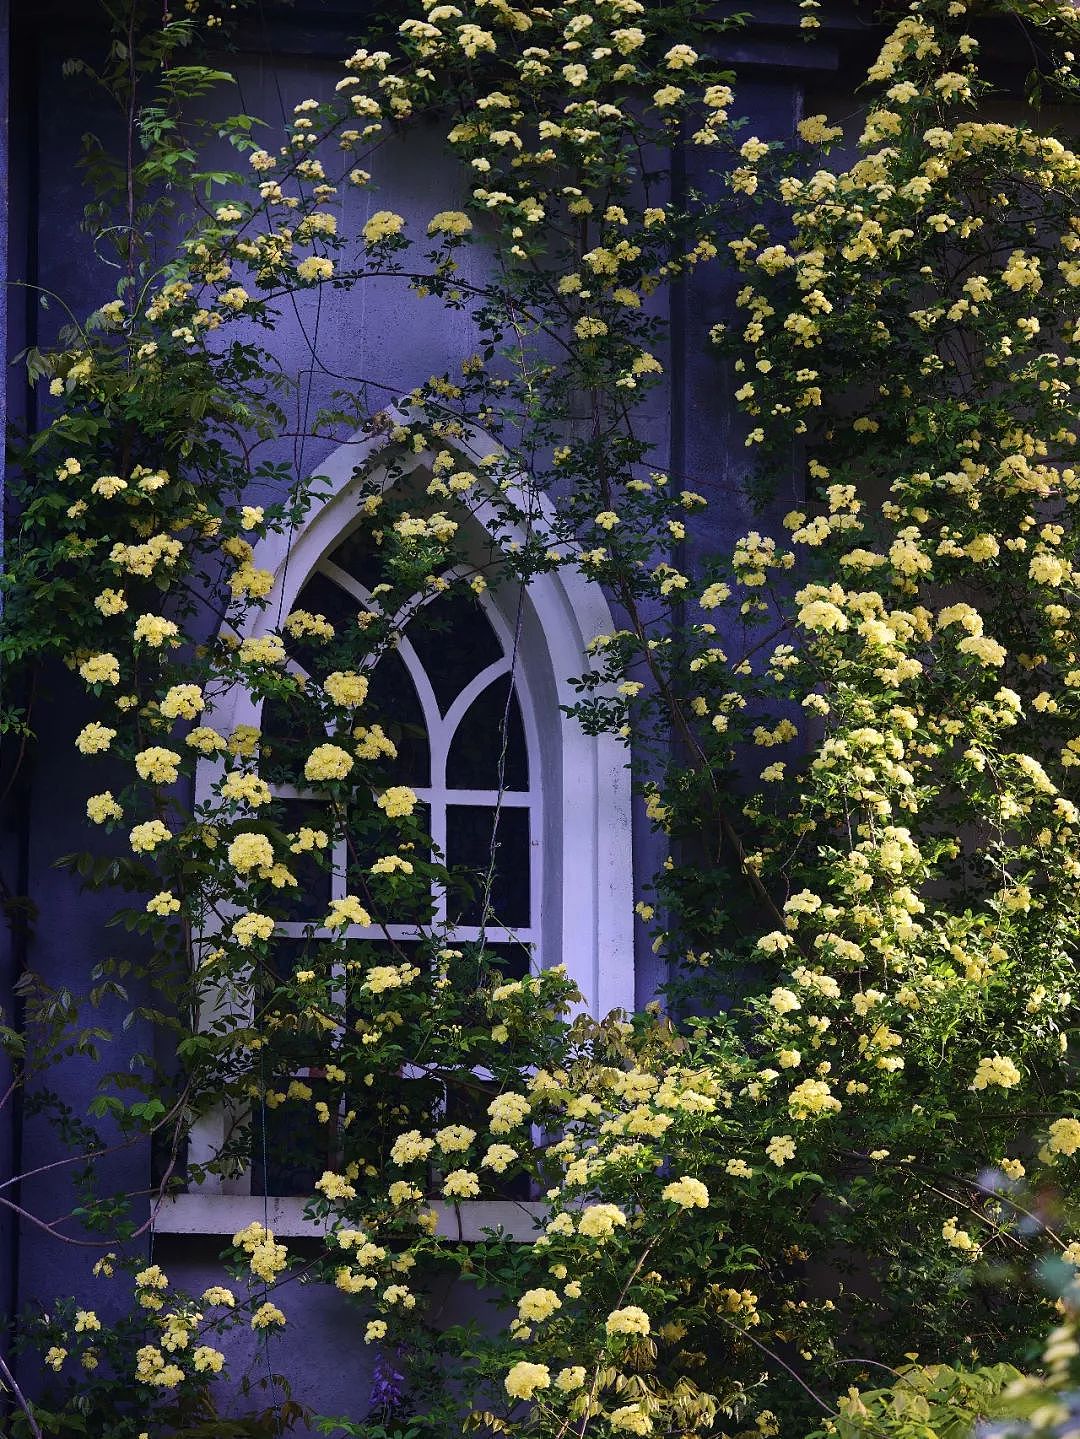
{"points": [[452, 695], [474, 694]]}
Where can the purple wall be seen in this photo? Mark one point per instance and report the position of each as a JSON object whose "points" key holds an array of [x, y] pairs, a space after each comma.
{"points": [[384, 333]]}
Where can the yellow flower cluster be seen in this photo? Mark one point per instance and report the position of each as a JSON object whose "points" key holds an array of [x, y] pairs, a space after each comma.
{"points": [[397, 802], [249, 850], [251, 927], [997, 1070], [524, 1379], [327, 762], [158, 765], [687, 1193], [346, 688]]}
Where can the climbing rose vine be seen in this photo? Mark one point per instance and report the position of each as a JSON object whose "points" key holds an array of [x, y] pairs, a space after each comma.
{"points": [[846, 1133]]}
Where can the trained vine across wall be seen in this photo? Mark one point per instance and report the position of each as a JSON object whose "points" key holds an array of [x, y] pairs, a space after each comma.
{"points": [[838, 1151]]}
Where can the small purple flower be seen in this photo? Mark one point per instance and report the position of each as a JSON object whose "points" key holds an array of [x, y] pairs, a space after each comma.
{"points": [[387, 1384]]}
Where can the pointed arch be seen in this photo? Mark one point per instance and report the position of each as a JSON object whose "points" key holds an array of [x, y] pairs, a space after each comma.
{"points": [[585, 874]]}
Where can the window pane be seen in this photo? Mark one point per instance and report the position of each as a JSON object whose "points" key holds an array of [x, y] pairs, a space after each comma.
{"points": [[321, 596], [291, 1042], [454, 641], [477, 746], [290, 1149], [488, 963], [467, 1100], [291, 728], [359, 557], [514, 960], [358, 1001], [392, 702], [472, 837], [392, 899], [309, 901]]}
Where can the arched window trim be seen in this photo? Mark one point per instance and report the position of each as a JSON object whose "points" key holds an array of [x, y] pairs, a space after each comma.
{"points": [[438, 793], [586, 904], [587, 802]]}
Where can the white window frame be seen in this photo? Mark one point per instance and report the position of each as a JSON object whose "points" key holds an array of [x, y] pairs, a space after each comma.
{"points": [[584, 903], [438, 794]]}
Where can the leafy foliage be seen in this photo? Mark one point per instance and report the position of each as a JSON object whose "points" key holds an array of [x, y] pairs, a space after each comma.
{"points": [[847, 1119]]}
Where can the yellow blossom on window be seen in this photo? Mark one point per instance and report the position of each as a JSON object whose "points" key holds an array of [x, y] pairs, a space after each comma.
{"points": [[163, 904], [461, 1184], [248, 851], [245, 789], [110, 602], [780, 1149], [525, 1378], [381, 977], [158, 765], [102, 807], [392, 864], [145, 838], [328, 762], [507, 1111], [454, 1137], [996, 1070], [498, 1157], [600, 1221], [687, 1193], [155, 631], [182, 701], [346, 910], [263, 650], [103, 669], [205, 740], [346, 688], [335, 1186], [251, 927], [397, 801]]}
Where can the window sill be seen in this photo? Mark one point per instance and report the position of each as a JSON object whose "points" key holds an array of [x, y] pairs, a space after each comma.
{"points": [[199, 1214]]}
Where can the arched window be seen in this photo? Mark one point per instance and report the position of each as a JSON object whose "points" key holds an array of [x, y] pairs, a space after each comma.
{"points": [[474, 691], [453, 697]]}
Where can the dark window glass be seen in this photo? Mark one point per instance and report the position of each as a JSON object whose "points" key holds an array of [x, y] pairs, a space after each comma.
{"points": [[291, 1040], [370, 953], [369, 841], [466, 1103], [393, 703], [492, 722], [454, 641], [291, 728], [473, 836], [309, 901], [514, 960], [320, 596], [362, 559], [289, 1148]]}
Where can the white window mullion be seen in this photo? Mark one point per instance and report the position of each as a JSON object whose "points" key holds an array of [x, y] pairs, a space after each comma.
{"points": [[437, 802]]}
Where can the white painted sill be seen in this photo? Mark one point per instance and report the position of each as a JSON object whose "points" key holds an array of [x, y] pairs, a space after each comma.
{"points": [[214, 1214]]}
